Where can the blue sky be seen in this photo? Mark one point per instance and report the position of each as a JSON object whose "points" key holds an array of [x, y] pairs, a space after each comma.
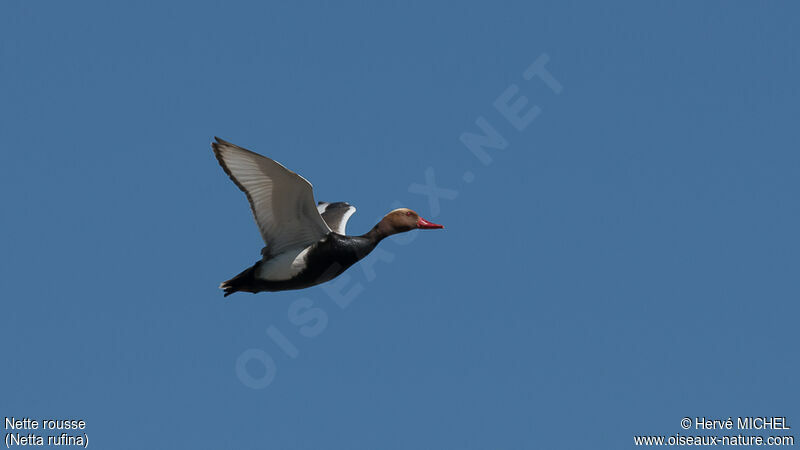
{"points": [[628, 259]]}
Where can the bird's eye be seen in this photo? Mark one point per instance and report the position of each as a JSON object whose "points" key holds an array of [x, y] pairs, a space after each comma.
{"points": [[408, 213]]}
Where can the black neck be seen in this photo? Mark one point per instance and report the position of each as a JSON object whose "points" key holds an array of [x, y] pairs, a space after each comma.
{"points": [[376, 234]]}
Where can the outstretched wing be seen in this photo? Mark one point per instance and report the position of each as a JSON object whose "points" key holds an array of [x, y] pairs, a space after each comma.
{"points": [[281, 200], [336, 214]]}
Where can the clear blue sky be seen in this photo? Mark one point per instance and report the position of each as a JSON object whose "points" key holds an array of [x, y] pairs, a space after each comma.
{"points": [[630, 257]]}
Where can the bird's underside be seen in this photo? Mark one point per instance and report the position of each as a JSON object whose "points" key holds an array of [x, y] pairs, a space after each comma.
{"points": [[325, 260]]}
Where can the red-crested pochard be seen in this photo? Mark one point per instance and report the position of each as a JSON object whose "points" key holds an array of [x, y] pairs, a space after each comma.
{"points": [[306, 242]]}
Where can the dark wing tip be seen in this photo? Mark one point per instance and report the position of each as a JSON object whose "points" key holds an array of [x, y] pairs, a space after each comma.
{"points": [[331, 206], [340, 205], [221, 143], [218, 155]]}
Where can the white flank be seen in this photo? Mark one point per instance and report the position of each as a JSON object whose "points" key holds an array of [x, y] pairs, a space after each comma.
{"points": [[284, 266]]}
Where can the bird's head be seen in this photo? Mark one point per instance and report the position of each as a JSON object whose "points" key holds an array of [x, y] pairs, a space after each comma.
{"points": [[402, 220]]}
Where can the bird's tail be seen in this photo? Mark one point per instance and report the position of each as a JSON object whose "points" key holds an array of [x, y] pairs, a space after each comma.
{"points": [[242, 282]]}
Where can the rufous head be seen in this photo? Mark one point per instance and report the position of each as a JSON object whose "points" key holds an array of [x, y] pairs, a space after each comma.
{"points": [[404, 219]]}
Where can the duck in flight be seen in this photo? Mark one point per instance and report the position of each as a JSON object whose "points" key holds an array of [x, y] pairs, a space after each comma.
{"points": [[306, 242]]}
